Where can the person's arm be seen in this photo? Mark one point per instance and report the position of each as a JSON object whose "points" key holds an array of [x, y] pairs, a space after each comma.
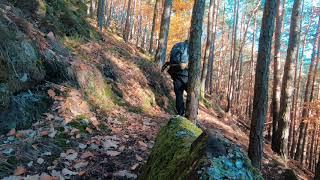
{"points": [[164, 67], [182, 66]]}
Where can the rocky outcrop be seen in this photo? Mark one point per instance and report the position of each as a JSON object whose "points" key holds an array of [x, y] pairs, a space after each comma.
{"points": [[27, 59], [184, 151]]}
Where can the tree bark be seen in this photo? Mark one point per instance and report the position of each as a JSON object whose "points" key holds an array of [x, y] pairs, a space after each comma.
{"points": [[195, 60], [276, 75], [260, 100], [303, 125], [100, 14], [127, 27], [208, 45], [154, 23], [209, 78], [286, 89], [164, 32], [232, 52], [294, 142]]}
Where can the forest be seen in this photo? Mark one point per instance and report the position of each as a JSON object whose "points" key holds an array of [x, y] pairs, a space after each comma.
{"points": [[85, 93]]}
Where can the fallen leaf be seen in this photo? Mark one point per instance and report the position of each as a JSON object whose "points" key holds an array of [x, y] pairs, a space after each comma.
{"points": [[82, 146], [71, 155], [51, 93], [44, 133], [20, 171], [81, 173], [45, 176], [113, 153], [107, 144], [139, 158], [141, 143], [81, 164], [40, 160], [125, 173], [30, 164], [86, 155], [94, 122], [12, 132], [134, 167], [52, 133], [90, 131], [67, 172]]}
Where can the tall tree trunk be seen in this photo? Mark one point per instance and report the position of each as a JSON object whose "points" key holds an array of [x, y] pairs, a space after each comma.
{"points": [[209, 78], [294, 142], [208, 45], [260, 100], [244, 38], [195, 60], [139, 24], [249, 96], [232, 52], [293, 122], [109, 16], [303, 125], [164, 31], [281, 146], [154, 24], [219, 72], [127, 27], [276, 75], [100, 14]]}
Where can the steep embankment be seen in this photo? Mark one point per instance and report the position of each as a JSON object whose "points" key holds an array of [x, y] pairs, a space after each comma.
{"points": [[84, 105]]}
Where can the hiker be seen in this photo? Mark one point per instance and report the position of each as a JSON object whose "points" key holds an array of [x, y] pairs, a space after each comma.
{"points": [[178, 71]]}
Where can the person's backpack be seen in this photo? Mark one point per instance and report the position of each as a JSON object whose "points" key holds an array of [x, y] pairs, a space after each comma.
{"points": [[178, 55]]}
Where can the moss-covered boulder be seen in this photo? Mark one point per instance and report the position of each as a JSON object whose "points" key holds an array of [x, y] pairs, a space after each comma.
{"points": [[184, 151]]}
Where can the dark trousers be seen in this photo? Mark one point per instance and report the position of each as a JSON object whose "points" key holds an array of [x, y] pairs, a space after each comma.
{"points": [[180, 85]]}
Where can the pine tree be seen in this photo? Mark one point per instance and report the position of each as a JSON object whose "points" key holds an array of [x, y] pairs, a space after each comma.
{"points": [[195, 60], [260, 99]]}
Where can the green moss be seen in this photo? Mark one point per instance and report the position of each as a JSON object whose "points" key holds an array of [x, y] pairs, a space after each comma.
{"points": [[80, 123], [61, 140], [67, 17], [177, 151]]}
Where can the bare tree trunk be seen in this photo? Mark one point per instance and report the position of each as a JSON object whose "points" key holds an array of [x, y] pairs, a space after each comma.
{"points": [[154, 23], [253, 14], [281, 146], [293, 122], [209, 79], [211, 16], [232, 54], [220, 52], [195, 60], [164, 31], [260, 100], [127, 28], [303, 125], [249, 96], [139, 28], [100, 14], [276, 75], [294, 142]]}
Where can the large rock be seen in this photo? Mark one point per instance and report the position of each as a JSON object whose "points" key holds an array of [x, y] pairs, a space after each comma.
{"points": [[184, 151], [23, 110]]}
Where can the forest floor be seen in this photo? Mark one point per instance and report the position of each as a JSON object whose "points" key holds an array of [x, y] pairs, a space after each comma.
{"points": [[112, 142]]}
